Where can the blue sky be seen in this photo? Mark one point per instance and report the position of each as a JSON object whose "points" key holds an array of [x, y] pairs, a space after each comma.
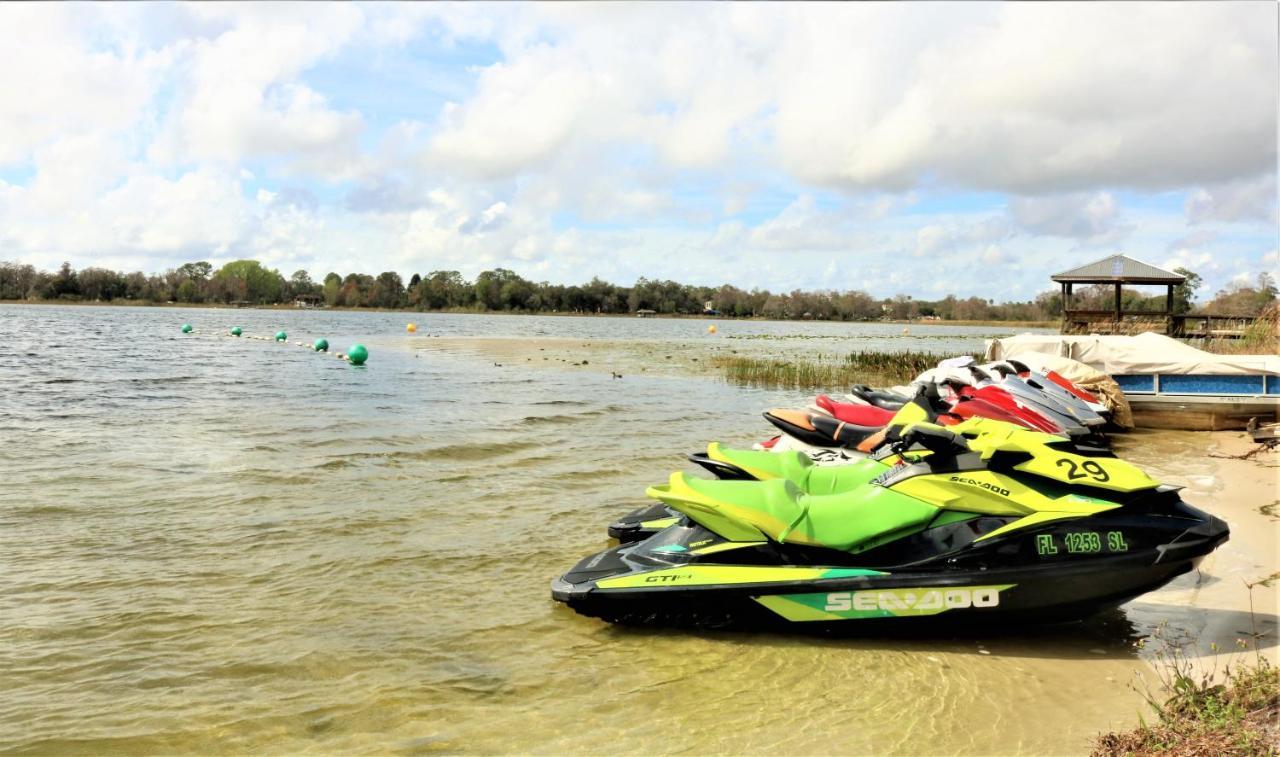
{"points": [[916, 148]]}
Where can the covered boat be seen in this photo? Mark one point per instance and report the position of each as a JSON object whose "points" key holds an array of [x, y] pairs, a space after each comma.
{"points": [[1169, 384]]}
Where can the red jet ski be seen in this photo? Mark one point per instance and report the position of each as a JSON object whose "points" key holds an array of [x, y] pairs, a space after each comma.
{"points": [[962, 407]]}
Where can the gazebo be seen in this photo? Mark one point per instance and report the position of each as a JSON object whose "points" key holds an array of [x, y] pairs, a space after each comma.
{"points": [[1119, 270]]}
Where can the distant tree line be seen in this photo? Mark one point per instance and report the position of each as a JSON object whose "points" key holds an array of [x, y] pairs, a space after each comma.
{"points": [[250, 282]]}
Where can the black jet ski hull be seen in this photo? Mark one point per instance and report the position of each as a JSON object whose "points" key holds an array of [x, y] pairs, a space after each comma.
{"points": [[1012, 597], [680, 577]]}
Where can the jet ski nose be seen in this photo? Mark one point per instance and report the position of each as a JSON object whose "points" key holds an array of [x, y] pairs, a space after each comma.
{"points": [[563, 591], [1215, 529]]}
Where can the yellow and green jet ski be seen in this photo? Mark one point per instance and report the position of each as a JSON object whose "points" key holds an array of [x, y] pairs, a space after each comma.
{"points": [[752, 465], [1010, 525], [809, 477]]}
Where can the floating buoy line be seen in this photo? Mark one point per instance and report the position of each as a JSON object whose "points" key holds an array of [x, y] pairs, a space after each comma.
{"points": [[356, 354]]}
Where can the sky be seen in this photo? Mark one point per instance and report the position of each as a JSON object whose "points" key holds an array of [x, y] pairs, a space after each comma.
{"points": [[913, 148]]}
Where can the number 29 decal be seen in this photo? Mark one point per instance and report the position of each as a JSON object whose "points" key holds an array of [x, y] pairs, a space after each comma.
{"points": [[1087, 469]]}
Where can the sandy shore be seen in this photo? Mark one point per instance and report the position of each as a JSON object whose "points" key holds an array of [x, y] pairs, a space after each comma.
{"points": [[1225, 611]]}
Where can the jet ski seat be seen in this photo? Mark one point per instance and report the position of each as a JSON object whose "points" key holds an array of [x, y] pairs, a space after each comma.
{"points": [[797, 468], [779, 510], [819, 429], [878, 398], [859, 415]]}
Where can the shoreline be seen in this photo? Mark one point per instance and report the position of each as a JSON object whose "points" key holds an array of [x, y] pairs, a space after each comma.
{"points": [[671, 316]]}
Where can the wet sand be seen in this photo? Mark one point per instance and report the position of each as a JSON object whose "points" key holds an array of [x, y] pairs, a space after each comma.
{"points": [[1220, 611]]}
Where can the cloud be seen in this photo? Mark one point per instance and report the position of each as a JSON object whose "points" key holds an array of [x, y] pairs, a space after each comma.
{"points": [[146, 216], [1243, 201], [801, 226], [754, 143], [1093, 218], [1201, 262], [994, 255], [960, 235], [1195, 240], [60, 84], [241, 97], [1020, 98]]}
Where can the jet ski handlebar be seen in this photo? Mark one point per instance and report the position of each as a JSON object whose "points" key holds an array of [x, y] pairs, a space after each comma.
{"points": [[937, 440]]}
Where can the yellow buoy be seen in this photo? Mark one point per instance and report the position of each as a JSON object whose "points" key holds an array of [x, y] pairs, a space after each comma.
{"points": [[711, 329], [906, 331], [411, 328]]}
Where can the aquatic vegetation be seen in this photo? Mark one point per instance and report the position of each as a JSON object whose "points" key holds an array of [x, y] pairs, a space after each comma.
{"points": [[863, 367], [1201, 712]]}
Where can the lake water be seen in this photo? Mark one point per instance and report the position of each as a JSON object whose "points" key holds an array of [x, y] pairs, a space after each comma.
{"points": [[225, 545]]}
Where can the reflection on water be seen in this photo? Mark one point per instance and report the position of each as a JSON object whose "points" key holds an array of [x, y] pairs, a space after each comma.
{"points": [[228, 545]]}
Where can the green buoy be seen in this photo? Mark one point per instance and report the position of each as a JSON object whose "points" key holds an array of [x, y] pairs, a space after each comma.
{"points": [[357, 354], [281, 336], [235, 331], [321, 345], [186, 328]]}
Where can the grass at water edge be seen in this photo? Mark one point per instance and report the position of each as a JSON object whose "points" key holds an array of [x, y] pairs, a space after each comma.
{"points": [[1203, 711], [873, 368]]}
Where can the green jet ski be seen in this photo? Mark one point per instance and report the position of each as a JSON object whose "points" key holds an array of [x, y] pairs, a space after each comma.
{"points": [[1008, 526], [752, 465], [810, 478]]}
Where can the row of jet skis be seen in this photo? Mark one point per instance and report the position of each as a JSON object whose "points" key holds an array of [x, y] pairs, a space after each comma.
{"points": [[976, 494]]}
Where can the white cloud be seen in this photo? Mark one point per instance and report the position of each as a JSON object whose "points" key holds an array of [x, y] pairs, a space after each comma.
{"points": [[1024, 98], [240, 97], [1094, 218], [1201, 262], [201, 211], [994, 255], [962, 234], [801, 226], [60, 82], [755, 143], [1249, 200]]}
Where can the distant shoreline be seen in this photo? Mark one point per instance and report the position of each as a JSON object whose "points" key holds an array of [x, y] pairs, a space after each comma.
{"points": [[343, 309]]}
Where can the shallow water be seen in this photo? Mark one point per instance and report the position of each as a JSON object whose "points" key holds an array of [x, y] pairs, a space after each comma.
{"points": [[218, 544]]}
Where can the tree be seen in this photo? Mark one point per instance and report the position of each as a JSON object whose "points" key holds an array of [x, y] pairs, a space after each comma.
{"points": [[251, 280], [1242, 299], [188, 292], [198, 271], [489, 285], [1185, 293], [101, 284], [1050, 304], [300, 283], [390, 290], [443, 289], [63, 284], [1267, 286]]}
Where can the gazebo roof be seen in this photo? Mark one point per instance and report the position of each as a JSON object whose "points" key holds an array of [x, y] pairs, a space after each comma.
{"points": [[1118, 269]]}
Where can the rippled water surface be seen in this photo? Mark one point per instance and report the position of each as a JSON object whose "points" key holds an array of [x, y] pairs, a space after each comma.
{"points": [[219, 544]]}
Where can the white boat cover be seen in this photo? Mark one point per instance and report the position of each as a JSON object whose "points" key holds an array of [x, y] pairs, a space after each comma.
{"points": [[1144, 353]]}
